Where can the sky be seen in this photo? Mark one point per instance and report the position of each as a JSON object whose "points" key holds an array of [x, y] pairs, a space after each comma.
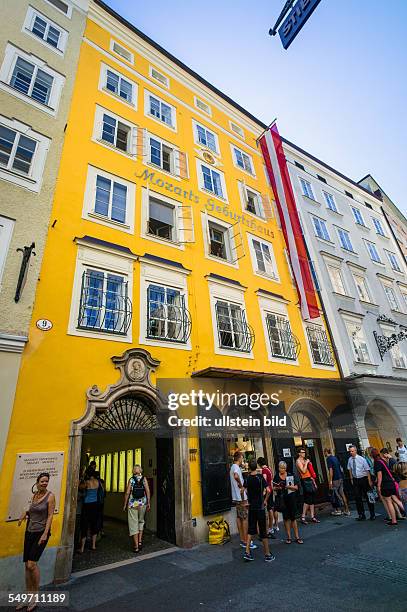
{"points": [[339, 91]]}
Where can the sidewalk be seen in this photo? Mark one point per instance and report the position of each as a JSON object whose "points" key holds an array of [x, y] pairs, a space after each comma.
{"points": [[343, 565]]}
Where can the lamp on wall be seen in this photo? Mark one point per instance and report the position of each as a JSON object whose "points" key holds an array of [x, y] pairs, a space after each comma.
{"points": [[27, 251]]}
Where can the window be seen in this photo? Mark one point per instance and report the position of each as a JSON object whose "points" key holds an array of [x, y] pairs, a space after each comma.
{"points": [[112, 468], [161, 155], [122, 51], [64, 7], [362, 288], [307, 188], [236, 129], [391, 297], [263, 258], [321, 229], [212, 181], [202, 106], [161, 219], [234, 333], [167, 317], [160, 110], [252, 201], [6, 230], [335, 275], [330, 201], [348, 193], [32, 81], [109, 200], [378, 226], [299, 165], [104, 304], [116, 133], [394, 262], [373, 252], [242, 160], [41, 27], [320, 346], [321, 178], [158, 76], [358, 216], [399, 359], [219, 241], [22, 154], [358, 341], [119, 86], [283, 343], [345, 241], [206, 138]]}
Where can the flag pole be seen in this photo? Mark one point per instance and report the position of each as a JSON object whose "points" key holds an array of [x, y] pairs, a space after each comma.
{"points": [[267, 128]]}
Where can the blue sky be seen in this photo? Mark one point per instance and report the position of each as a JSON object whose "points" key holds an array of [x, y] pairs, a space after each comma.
{"points": [[340, 91]]}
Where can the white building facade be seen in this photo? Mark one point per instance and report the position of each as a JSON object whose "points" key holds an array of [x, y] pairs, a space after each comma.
{"points": [[362, 279]]}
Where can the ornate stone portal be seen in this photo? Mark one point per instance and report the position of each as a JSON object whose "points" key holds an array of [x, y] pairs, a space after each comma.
{"points": [[138, 403]]}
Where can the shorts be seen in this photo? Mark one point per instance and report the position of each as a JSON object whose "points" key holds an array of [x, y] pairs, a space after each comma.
{"points": [[257, 522], [338, 486], [241, 510], [33, 550], [388, 490], [136, 519]]}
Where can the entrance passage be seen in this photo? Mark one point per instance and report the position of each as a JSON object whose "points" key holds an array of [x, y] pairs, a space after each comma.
{"points": [[116, 440]]}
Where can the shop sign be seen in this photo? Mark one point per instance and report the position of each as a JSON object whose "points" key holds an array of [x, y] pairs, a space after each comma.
{"points": [[296, 19], [28, 467], [286, 452], [309, 443]]}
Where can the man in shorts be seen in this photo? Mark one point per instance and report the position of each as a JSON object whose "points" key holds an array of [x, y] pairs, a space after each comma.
{"points": [[257, 494], [239, 497]]}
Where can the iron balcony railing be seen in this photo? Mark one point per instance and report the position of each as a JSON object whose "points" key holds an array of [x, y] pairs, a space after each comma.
{"points": [[169, 322], [284, 344], [322, 353], [233, 330]]}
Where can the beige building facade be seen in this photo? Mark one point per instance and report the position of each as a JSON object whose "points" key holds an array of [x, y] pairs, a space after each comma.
{"points": [[39, 50]]}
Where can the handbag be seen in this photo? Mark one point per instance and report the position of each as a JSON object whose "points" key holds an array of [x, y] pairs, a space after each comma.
{"points": [[219, 531], [311, 470], [309, 485]]}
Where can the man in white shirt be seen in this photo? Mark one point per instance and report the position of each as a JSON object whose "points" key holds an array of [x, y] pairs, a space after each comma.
{"points": [[401, 451], [239, 496], [359, 472]]}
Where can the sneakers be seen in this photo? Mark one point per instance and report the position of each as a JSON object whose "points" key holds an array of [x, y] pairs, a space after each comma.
{"points": [[336, 513], [248, 557], [253, 546], [275, 529], [269, 558], [346, 513], [271, 535]]}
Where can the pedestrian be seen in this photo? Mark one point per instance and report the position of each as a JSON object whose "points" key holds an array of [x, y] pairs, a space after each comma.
{"points": [[387, 487], [257, 496], [308, 479], [335, 480], [361, 480], [137, 503], [268, 476], [239, 498], [38, 531], [401, 451], [90, 508], [101, 503], [401, 471], [286, 486]]}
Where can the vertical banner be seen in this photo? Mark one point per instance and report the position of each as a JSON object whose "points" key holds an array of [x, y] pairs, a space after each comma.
{"points": [[277, 170]]}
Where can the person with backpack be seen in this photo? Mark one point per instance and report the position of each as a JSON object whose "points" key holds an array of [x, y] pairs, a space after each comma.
{"points": [[137, 503], [257, 496]]}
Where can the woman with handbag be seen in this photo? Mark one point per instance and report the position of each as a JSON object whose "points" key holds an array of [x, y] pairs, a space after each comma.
{"points": [[308, 476], [286, 486], [387, 487]]}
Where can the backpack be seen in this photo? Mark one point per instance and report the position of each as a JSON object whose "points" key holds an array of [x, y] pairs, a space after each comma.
{"points": [[138, 490], [219, 532]]}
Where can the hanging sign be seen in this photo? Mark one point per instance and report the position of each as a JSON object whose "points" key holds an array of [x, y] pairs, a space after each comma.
{"points": [[296, 19]]}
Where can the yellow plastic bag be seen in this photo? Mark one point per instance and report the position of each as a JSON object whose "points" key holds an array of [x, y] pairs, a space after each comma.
{"points": [[219, 531]]}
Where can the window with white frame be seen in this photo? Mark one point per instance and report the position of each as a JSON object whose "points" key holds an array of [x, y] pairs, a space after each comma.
{"points": [[46, 30], [166, 219], [211, 180], [203, 106], [117, 85], [206, 137], [362, 287], [307, 188], [330, 201], [122, 51], [22, 154], [358, 341], [373, 252], [159, 76], [167, 316], [283, 343], [109, 199], [344, 239], [321, 350], [114, 131], [219, 241], [161, 219], [358, 216], [336, 278], [242, 160], [251, 200], [166, 157], [158, 109], [391, 296], [31, 79], [320, 228], [378, 227], [236, 129], [234, 333], [394, 262], [63, 7], [263, 259], [6, 231]]}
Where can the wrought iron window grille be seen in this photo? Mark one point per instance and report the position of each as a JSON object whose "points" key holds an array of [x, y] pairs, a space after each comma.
{"points": [[167, 320], [284, 344], [234, 333], [322, 353]]}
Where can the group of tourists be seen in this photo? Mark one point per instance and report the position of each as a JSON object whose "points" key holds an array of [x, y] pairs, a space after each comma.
{"points": [[259, 497]]}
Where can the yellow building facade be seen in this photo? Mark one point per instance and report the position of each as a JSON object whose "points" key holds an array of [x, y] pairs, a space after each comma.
{"points": [[164, 262]]}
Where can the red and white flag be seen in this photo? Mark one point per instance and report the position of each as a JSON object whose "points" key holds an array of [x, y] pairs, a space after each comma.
{"points": [[277, 170]]}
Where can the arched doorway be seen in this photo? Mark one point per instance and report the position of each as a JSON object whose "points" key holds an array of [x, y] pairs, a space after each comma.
{"points": [[382, 425], [121, 426]]}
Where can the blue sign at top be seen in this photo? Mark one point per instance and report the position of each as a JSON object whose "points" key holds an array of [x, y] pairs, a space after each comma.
{"points": [[298, 16]]}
